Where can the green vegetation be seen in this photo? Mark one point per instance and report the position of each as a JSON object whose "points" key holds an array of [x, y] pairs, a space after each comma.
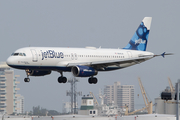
{"points": [[39, 111]]}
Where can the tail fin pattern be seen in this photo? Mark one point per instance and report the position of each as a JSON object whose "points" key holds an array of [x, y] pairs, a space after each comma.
{"points": [[140, 38]]}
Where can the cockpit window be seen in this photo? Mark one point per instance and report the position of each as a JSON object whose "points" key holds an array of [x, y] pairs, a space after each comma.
{"points": [[18, 54], [15, 54]]}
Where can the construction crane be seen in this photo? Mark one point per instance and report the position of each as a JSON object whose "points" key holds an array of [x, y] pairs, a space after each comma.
{"points": [[94, 99], [146, 101], [172, 89], [170, 85], [131, 113]]}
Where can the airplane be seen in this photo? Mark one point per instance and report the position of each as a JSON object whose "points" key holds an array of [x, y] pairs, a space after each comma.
{"points": [[83, 62]]}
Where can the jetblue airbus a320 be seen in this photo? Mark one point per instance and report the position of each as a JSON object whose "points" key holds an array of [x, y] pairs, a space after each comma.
{"points": [[83, 62]]}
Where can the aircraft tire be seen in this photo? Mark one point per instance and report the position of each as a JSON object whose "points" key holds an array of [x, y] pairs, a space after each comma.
{"points": [[60, 79], [64, 79], [95, 80], [26, 80], [90, 80]]}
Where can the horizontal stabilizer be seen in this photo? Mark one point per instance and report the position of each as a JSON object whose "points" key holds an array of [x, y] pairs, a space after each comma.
{"points": [[163, 54]]}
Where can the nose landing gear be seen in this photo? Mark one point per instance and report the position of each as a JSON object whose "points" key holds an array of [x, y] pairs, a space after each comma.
{"points": [[27, 79]]}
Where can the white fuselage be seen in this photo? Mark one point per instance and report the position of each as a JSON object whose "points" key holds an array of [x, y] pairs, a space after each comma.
{"points": [[62, 59]]}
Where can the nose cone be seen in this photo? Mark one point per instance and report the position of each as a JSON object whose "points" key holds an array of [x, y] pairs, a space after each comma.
{"points": [[10, 61]]}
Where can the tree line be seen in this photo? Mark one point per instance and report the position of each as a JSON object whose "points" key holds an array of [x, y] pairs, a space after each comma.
{"points": [[40, 111]]}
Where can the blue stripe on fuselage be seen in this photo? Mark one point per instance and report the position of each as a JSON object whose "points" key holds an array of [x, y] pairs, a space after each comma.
{"points": [[66, 69], [55, 68]]}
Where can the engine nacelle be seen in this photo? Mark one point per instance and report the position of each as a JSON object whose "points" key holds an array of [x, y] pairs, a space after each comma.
{"points": [[38, 72], [83, 71]]}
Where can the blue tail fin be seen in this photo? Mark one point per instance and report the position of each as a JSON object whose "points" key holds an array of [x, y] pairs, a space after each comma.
{"points": [[140, 38]]}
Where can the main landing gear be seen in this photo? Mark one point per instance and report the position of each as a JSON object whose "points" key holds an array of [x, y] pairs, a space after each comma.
{"points": [[92, 80], [62, 79]]}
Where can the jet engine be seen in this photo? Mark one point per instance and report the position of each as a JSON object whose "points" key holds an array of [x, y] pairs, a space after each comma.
{"points": [[83, 71]]}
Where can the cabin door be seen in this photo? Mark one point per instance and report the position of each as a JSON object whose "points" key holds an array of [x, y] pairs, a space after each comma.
{"points": [[129, 54], [34, 55]]}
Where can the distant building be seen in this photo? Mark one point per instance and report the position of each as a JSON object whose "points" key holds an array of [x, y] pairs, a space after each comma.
{"points": [[67, 107], [125, 96], [120, 95], [20, 104], [8, 89], [162, 107], [86, 105], [110, 92]]}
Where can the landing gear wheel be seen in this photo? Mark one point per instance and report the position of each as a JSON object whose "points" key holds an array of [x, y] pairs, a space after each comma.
{"points": [[95, 80], [92, 80], [26, 80], [59, 79], [62, 79]]}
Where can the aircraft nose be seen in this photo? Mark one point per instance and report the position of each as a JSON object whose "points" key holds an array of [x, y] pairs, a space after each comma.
{"points": [[10, 61]]}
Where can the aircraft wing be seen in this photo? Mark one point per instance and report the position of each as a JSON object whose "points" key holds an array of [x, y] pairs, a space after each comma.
{"points": [[117, 62]]}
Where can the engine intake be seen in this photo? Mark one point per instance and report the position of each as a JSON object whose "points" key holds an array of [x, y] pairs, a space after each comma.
{"points": [[83, 71]]}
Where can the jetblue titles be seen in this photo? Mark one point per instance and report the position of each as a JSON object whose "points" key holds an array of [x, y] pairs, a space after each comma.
{"points": [[139, 41], [51, 54]]}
